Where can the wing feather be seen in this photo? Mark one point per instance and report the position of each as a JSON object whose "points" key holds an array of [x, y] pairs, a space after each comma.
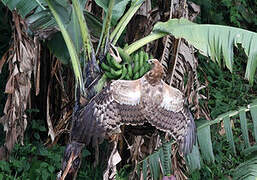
{"points": [[131, 102], [98, 117], [116, 104], [127, 92], [171, 115], [128, 96], [173, 99], [190, 134]]}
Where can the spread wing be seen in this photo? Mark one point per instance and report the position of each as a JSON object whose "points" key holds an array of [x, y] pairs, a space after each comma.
{"points": [[117, 104], [171, 115], [128, 94], [121, 103]]}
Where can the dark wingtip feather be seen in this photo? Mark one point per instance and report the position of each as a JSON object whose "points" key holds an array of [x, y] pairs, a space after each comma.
{"points": [[86, 128], [190, 136]]}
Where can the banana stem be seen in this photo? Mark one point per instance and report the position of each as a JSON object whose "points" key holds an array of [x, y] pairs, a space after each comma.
{"points": [[124, 22], [106, 28], [83, 28], [141, 42], [70, 45]]}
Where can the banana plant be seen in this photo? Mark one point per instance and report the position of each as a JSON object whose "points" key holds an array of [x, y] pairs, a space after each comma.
{"points": [[246, 170], [202, 151], [214, 41], [204, 136]]}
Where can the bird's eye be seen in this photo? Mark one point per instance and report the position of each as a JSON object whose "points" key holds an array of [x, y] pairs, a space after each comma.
{"points": [[150, 61]]}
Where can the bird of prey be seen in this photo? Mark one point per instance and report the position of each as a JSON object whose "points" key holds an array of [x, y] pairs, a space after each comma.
{"points": [[135, 102]]}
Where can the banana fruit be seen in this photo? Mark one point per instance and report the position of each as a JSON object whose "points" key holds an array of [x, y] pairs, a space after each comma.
{"points": [[130, 68]]}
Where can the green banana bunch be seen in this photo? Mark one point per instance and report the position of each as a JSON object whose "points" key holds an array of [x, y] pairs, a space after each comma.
{"points": [[140, 65], [130, 68]]}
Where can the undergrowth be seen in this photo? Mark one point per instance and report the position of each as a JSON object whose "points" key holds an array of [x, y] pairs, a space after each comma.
{"points": [[226, 91], [35, 161]]}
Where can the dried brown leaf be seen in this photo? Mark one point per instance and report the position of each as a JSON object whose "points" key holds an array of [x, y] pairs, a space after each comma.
{"points": [[194, 10], [49, 122], [37, 66], [114, 159], [3, 60], [69, 164], [9, 88], [145, 8], [21, 60]]}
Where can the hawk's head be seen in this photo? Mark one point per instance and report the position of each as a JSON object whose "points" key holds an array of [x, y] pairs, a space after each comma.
{"points": [[156, 73]]}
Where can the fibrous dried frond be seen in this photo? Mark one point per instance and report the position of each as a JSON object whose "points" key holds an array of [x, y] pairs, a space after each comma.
{"points": [[180, 62], [168, 42], [22, 58], [142, 23], [181, 70], [178, 164], [113, 160], [59, 90]]}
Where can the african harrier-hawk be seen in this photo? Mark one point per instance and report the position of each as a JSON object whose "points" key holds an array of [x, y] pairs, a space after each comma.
{"points": [[135, 102]]}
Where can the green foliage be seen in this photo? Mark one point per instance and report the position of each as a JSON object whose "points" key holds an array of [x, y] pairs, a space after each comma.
{"points": [[215, 41], [115, 35], [160, 159], [217, 153], [227, 92], [57, 46], [239, 13], [23, 7], [32, 162], [105, 29], [118, 9], [35, 161], [87, 169], [224, 147], [204, 139], [193, 160], [40, 163], [246, 170], [225, 160], [41, 19], [56, 43], [71, 38], [123, 173]]}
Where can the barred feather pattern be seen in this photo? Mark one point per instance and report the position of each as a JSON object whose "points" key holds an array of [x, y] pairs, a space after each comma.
{"points": [[146, 100], [96, 119], [178, 122]]}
